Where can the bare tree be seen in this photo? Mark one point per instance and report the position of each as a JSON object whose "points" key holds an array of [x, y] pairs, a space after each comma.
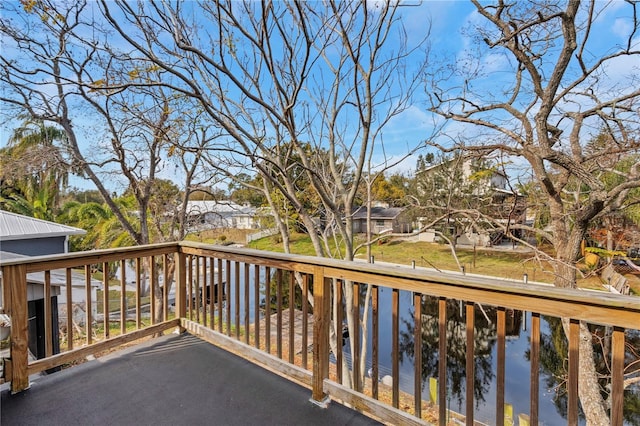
{"points": [[286, 81], [60, 68], [555, 93]]}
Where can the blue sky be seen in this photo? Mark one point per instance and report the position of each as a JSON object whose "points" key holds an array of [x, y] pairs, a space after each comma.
{"points": [[446, 20]]}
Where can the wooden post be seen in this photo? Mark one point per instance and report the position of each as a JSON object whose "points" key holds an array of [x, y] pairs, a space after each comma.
{"points": [[181, 286], [321, 326], [15, 301]]}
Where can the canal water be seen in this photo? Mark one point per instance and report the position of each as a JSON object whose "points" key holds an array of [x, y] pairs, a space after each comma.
{"points": [[517, 368]]}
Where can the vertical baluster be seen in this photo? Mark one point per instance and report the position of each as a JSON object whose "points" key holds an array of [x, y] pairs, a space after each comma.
{"points": [[574, 366], [105, 299], [213, 292], [48, 329], [123, 298], [470, 368], [246, 303], [139, 293], [355, 357], [279, 312], [228, 291], [395, 336], [152, 288], [442, 361], [256, 304], [87, 288], [203, 291], [69, 309], [339, 326], [417, 352], [292, 305], [305, 322], [196, 288], [237, 299], [221, 295], [165, 287], [267, 310], [535, 367], [500, 373], [375, 337], [189, 288], [617, 376]]}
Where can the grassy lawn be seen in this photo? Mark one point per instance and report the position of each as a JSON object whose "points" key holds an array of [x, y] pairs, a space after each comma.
{"points": [[504, 264], [114, 300]]}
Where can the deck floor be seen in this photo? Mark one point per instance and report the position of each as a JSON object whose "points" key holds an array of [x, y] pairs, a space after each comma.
{"points": [[174, 379]]}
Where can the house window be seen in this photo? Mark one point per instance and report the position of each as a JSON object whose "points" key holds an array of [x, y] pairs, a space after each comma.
{"points": [[379, 222]]}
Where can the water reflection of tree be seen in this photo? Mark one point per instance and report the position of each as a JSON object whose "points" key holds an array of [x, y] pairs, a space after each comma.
{"points": [[554, 362], [484, 332]]}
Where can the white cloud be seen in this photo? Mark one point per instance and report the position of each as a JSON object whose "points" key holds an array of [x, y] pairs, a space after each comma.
{"points": [[622, 27]]}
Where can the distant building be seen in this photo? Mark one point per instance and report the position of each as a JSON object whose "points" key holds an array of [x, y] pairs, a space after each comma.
{"points": [[23, 236], [480, 182], [383, 220], [485, 179], [34, 237], [210, 214]]}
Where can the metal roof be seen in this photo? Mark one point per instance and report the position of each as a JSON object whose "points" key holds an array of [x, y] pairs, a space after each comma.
{"points": [[18, 227], [195, 207], [378, 212]]}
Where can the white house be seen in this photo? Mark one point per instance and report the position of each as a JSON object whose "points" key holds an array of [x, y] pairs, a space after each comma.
{"points": [[209, 214]]}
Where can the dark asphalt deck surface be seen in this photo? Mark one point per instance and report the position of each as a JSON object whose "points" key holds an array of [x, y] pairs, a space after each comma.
{"points": [[175, 379]]}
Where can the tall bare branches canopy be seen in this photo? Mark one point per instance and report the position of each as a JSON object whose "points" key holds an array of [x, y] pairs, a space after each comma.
{"points": [[563, 104], [299, 88], [558, 90], [293, 91]]}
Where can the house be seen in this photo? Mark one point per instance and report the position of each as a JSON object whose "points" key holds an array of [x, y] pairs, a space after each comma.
{"points": [[210, 214], [469, 184], [473, 175], [23, 236], [34, 237], [383, 219]]}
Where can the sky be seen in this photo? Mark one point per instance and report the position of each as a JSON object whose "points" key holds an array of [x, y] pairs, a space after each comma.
{"points": [[449, 42]]}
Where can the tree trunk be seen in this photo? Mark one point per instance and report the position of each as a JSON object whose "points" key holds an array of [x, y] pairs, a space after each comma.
{"points": [[591, 400]]}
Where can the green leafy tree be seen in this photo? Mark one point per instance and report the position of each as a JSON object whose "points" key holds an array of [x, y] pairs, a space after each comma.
{"points": [[33, 170], [245, 189]]}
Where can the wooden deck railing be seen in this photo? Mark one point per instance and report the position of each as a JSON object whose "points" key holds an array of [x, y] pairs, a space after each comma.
{"points": [[278, 310]]}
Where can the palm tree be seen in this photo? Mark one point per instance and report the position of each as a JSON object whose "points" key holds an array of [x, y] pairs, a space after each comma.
{"points": [[38, 204], [33, 169], [103, 227]]}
